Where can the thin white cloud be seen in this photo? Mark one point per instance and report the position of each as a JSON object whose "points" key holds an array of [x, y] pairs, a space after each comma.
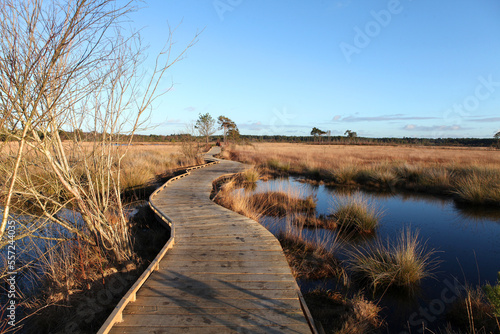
{"points": [[413, 127], [382, 118], [486, 120]]}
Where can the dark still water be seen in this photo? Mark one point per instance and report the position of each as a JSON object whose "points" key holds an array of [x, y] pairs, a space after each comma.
{"points": [[467, 241]]}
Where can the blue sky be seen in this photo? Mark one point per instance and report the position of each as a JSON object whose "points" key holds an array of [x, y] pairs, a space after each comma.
{"points": [[414, 68]]}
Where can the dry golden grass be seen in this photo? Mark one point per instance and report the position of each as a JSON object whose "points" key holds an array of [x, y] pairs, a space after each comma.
{"points": [[143, 162], [328, 156], [470, 174]]}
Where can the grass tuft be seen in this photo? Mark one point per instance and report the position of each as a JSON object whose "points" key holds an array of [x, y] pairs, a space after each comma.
{"points": [[478, 188], [403, 263], [354, 213], [250, 175]]}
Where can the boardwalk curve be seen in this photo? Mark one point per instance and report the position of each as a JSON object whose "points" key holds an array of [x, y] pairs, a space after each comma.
{"points": [[220, 272]]}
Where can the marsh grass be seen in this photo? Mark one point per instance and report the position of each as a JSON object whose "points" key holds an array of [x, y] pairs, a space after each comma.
{"points": [[309, 260], [402, 263], [472, 175], [478, 187], [279, 203], [355, 213], [143, 163]]}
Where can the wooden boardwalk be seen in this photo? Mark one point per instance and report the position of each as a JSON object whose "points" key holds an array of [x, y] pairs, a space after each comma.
{"points": [[224, 274]]}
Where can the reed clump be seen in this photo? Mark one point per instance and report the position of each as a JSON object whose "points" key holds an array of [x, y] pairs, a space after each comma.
{"points": [[402, 263], [480, 186], [355, 213], [251, 175]]}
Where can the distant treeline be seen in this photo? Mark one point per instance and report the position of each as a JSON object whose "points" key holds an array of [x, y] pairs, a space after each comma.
{"points": [[468, 142], [336, 140]]}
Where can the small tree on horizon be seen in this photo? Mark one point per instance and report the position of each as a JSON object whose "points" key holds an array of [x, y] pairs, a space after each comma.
{"points": [[317, 132], [205, 125], [228, 127], [497, 135], [350, 134]]}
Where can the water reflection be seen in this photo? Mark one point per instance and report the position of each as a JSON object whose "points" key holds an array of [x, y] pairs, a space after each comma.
{"points": [[466, 238]]}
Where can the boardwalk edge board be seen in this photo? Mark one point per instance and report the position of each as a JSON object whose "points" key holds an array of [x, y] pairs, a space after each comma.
{"points": [[117, 315]]}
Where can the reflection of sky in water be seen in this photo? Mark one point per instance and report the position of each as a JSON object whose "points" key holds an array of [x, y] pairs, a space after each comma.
{"points": [[30, 249], [467, 239]]}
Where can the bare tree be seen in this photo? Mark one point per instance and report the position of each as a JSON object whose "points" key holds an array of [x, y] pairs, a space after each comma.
{"points": [[190, 146], [70, 65], [205, 125]]}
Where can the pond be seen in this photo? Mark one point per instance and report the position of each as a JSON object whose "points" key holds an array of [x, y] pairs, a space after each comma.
{"points": [[467, 241]]}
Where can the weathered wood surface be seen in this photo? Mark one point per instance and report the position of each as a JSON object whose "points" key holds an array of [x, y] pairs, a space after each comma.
{"points": [[225, 273]]}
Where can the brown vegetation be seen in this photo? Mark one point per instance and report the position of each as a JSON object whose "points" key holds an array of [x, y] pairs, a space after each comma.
{"points": [[275, 203], [471, 175], [337, 314], [309, 260]]}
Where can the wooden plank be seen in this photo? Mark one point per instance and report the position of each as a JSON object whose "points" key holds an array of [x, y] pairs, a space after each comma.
{"points": [[262, 285], [271, 305], [231, 256], [224, 277], [168, 310], [206, 320], [214, 329], [220, 294], [235, 247]]}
